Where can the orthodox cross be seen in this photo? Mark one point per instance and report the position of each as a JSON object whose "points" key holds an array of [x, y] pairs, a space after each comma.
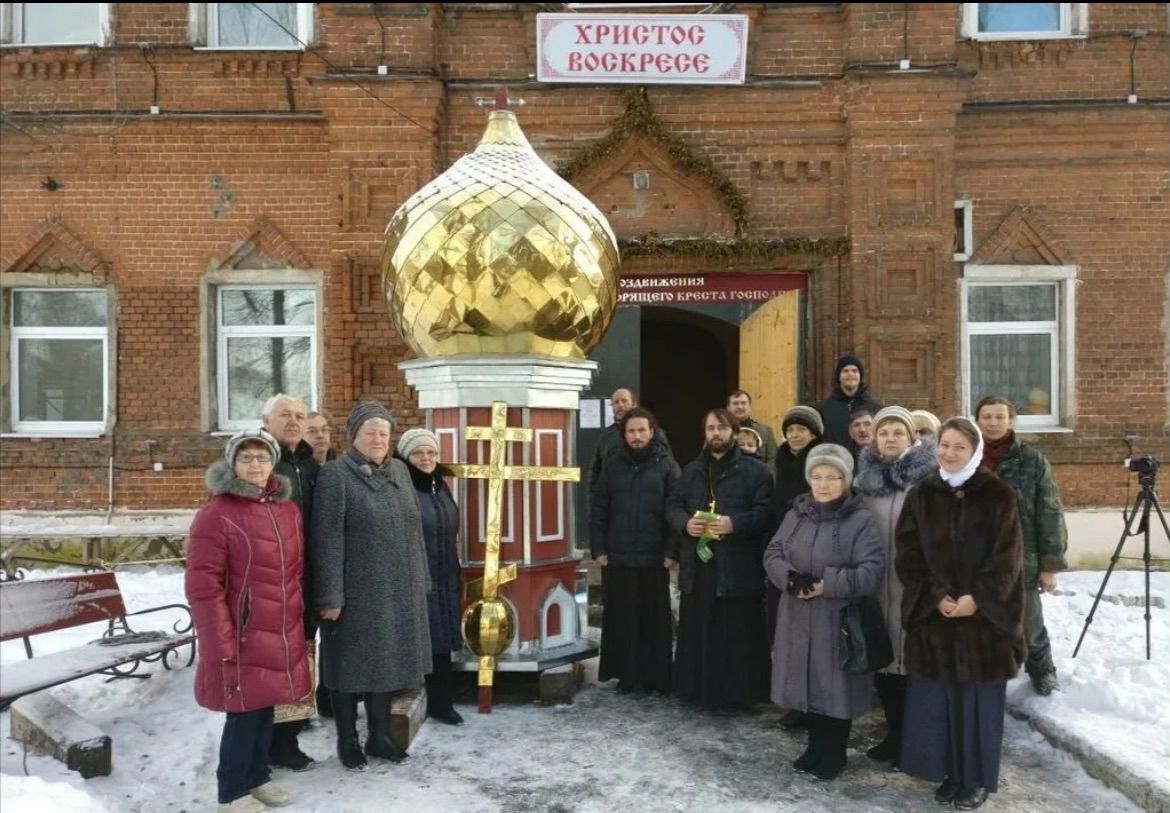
{"points": [[487, 589], [500, 100]]}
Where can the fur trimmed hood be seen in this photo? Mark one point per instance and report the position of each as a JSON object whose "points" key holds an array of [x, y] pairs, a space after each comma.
{"points": [[221, 479], [878, 478]]}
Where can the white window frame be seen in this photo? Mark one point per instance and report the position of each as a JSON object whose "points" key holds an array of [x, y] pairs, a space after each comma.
{"points": [[1074, 19], [12, 28], [225, 332], [18, 333], [968, 230], [203, 22], [1062, 330]]}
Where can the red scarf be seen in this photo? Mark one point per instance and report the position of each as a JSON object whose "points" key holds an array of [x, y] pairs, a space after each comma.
{"points": [[994, 451]]}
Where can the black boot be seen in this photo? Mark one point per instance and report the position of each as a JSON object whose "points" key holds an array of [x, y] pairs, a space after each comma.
{"points": [[349, 750], [378, 744], [793, 719], [947, 791], [970, 798], [892, 691], [441, 691], [816, 746], [285, 751], [324, 697], [836, 739]]}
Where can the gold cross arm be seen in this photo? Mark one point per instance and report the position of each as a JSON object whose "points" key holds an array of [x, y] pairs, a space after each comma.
{"points": [[483, 471], [512, 433]]}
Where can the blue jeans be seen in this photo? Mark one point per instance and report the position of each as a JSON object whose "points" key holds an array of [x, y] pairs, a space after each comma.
{"points": [[243, 753]]}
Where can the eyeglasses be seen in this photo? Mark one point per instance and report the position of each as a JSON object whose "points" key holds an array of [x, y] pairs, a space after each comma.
{"points": [[827, 478], [253, 457]]}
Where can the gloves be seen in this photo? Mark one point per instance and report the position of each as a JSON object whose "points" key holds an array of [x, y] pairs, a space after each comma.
{"points": [[799, 582]]}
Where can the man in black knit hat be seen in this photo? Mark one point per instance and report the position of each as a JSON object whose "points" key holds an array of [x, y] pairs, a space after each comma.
{"points": [[850, 394]]}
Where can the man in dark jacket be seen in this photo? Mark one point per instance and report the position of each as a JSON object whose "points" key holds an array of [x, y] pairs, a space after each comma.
{"points": [[739, 404], [610, 440], [285, 417], [722, 657], [1042, 522], [849, 394], [630, 539]]}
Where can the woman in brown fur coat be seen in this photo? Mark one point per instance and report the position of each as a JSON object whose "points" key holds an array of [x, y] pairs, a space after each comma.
{"points": [[959, 556]]}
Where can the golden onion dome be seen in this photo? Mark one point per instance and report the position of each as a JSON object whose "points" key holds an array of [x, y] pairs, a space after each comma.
{"points": [[498, 255]]}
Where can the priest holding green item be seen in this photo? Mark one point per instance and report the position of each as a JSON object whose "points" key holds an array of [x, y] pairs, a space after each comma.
{"points": [[722, 508]]}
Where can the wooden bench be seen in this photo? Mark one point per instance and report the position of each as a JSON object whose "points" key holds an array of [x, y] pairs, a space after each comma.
{"points": [[33, 606]]}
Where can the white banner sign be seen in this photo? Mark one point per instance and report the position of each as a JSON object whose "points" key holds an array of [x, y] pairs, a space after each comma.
{"points": [[652, 49]]}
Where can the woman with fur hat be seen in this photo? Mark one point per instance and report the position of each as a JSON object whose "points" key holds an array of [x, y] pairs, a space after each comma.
{"points": [[370, 582], [826, 552], [419, 449], [245, 557], [886, 471], [960, 560]]}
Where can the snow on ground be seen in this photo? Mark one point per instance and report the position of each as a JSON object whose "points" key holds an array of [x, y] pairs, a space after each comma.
{"points": [[610, 751]]}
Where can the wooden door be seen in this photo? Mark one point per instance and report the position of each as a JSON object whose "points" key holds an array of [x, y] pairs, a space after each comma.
{"points": [[769, 358]]}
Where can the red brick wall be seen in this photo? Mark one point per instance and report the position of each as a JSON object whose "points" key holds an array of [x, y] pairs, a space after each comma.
{"points": [[828, 139]]}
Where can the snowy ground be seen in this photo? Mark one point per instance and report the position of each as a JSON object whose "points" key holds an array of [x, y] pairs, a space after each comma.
{"points": [[616, 752]]}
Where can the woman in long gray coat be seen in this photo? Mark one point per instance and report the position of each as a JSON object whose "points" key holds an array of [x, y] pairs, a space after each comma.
{"points": [[885, 472], [826, 552], [370, 583]]}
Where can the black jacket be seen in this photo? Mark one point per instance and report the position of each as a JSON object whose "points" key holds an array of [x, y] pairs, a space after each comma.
{"points": [[301, 470], [790, 481], [440, 524], [838, 408], [743, 491], [627, 516]]}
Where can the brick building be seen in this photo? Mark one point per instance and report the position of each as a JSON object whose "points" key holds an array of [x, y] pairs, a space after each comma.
{"points": [[193, 203]]}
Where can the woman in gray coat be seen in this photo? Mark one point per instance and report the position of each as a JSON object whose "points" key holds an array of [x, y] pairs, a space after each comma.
{"points": [[370, 583], [826, 552], [885, 472]]}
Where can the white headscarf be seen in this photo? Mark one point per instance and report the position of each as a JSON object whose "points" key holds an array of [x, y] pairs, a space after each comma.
{"points": [[964, 474]]}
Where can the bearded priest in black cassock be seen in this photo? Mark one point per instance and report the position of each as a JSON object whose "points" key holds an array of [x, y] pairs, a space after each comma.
{"points": [[723, 511], [630, 539]]}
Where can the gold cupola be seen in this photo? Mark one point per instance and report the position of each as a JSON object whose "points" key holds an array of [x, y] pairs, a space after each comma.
{"points": [[500, 255]]}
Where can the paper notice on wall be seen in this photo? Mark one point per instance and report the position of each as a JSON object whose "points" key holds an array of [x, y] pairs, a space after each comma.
{"points": [[608, 411], [590, 413]]}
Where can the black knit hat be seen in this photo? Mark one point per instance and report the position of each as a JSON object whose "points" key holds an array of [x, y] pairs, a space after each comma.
{"points": [[364, 411], [844, 362]]}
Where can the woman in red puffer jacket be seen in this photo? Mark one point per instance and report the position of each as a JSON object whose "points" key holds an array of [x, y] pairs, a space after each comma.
{"points": [[245, 555]]}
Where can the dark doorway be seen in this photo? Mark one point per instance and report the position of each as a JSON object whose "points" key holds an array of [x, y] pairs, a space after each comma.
{"points": [[690, 362]]}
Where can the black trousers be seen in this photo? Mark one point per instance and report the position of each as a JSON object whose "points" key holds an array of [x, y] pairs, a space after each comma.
{"points": [[243, 753], [1039, 647], [440, 684]]}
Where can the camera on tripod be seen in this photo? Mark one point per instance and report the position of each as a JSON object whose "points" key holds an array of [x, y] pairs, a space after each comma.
{"points": [[1144, 465]]}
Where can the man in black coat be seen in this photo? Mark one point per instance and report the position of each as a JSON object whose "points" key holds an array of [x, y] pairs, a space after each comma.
{"points": [[850, 393], [630, 539], [285, 417], [610, 440], [722, 657]]}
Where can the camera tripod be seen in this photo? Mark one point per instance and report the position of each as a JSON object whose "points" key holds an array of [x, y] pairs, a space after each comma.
{"points": [[1147, 500]]}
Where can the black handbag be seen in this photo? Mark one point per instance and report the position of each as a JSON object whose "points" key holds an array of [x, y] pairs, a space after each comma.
{"points": [[865, 644]]}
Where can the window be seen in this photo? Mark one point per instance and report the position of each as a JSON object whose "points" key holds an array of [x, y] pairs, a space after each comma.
{"points": [[266, 26], [999, 21], [60, 360], [964, 230], [266, 343], [1018, 339], [55, 23]]}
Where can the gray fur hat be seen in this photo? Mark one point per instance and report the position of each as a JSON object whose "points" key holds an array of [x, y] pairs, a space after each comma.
{"points": [[365, 411], [254, 435], [805, 416], [830, 454], [896, 413], [416, 439]]}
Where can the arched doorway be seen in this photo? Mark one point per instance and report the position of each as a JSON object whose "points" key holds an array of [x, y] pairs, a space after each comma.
{"points": [[689, 364]]}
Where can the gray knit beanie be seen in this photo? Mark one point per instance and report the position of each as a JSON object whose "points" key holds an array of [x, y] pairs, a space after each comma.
{"points": [[254, 435], [804, 416], [896, 413], [830, 454], [926, 420], [416, 439], [364, 411]]}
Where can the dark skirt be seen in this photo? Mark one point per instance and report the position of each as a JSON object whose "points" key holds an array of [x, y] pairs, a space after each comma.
{"points": [[722, 657], [953, 730], [636, 627]]}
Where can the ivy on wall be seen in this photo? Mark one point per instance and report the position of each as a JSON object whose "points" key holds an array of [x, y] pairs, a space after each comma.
{"points": [[639, 119]]}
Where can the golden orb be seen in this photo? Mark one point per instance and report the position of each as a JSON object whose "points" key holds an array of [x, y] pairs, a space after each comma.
{"points": [[500, 255], [489, 626]]}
